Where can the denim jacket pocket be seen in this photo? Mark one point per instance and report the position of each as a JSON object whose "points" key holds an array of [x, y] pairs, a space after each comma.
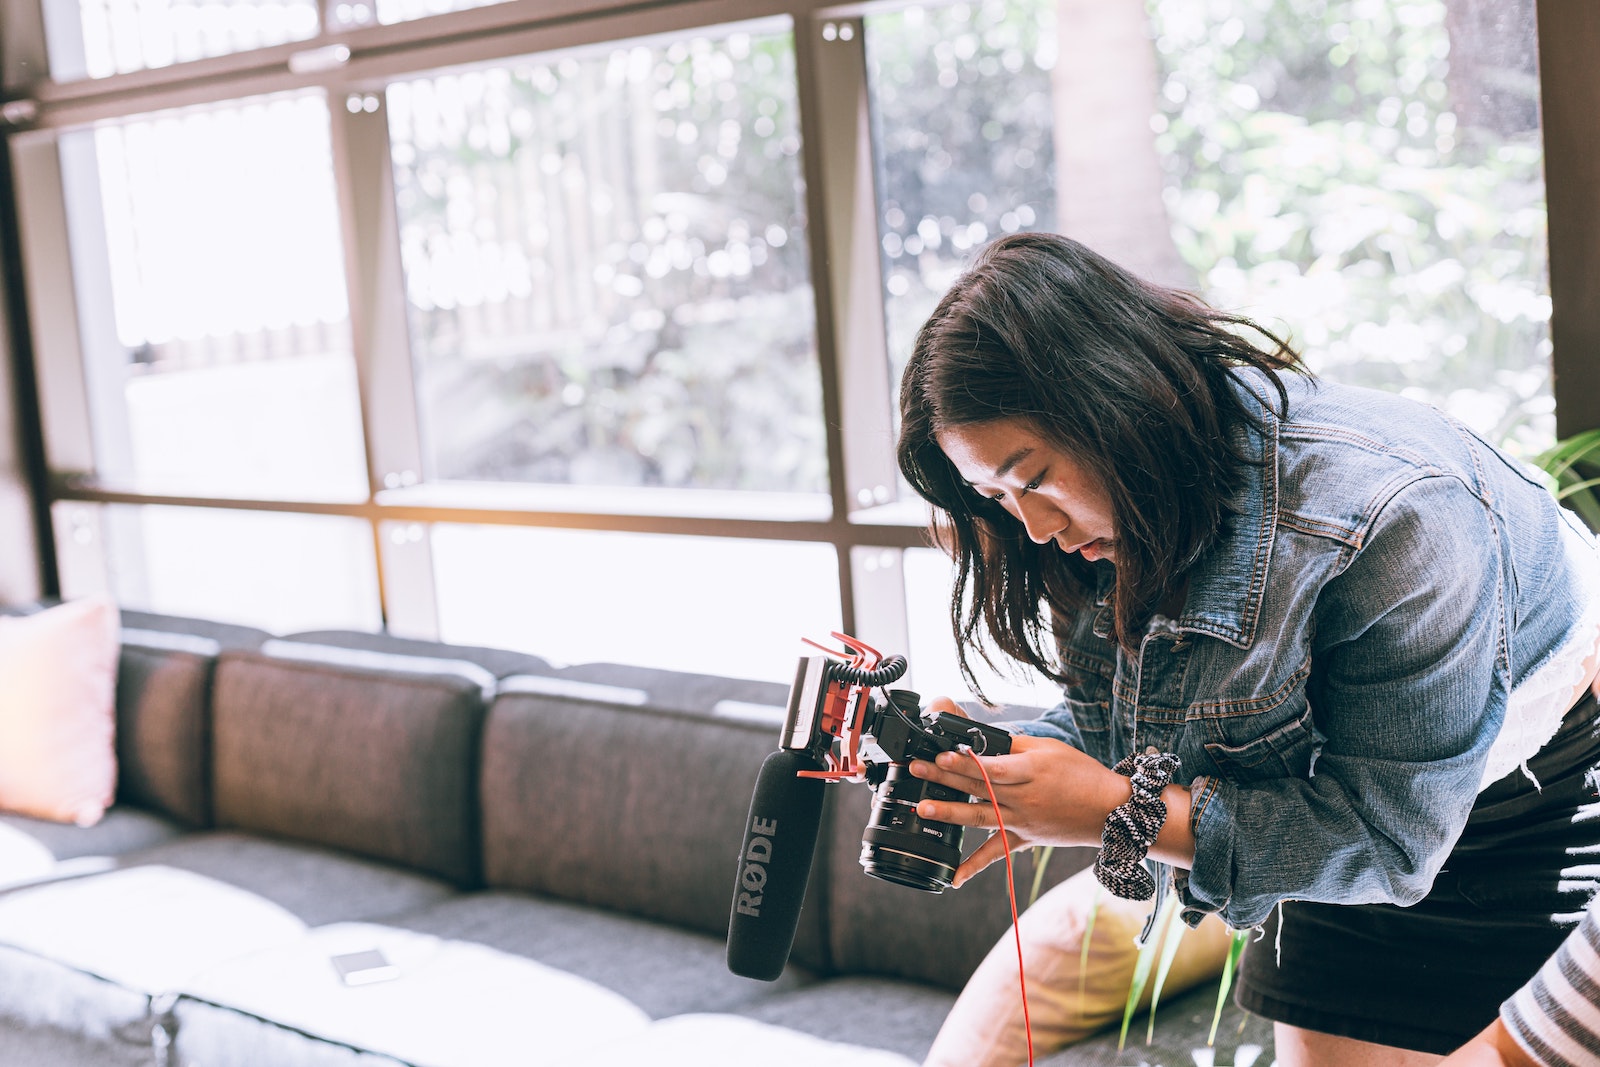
{"points": [[1087, 696], [1285, 751]]}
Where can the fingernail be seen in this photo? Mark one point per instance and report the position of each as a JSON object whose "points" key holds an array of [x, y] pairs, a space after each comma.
{"points": [[918, 768], [925, 809]]}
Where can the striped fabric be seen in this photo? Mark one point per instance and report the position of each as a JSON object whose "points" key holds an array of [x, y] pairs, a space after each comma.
{"points": [[1556, 1016]]}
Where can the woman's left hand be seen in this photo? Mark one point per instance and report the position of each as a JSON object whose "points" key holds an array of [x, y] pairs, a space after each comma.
{"points": [[1049, 793]]}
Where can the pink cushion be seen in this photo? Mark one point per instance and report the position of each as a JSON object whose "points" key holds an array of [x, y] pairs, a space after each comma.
{"points": [[58, 672]]}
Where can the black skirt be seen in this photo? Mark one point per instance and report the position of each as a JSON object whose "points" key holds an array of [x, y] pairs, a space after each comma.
{"points": [[1430, 976]]}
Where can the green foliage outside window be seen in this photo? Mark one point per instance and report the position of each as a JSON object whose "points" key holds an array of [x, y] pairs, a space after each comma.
{"points": [[1367, 174], [607, 268]]}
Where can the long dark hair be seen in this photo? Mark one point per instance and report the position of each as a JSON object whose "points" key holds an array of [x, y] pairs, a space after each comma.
{"points": [[1132, 380]]}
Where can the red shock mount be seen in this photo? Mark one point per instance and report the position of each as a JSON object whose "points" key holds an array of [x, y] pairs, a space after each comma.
{"points": [[842, 709]]}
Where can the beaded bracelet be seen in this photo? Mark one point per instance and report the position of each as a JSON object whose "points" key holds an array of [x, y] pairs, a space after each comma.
{"points": [[1131, 828]]}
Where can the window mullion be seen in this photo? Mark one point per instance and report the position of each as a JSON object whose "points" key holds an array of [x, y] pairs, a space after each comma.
{"points": [[1570, 91], [23, 57], [52, 304], [850, 329], [381, 343], [846, 228]]}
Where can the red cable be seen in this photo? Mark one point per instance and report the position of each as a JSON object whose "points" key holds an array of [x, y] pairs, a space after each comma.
{"points": [[1011, 889]]}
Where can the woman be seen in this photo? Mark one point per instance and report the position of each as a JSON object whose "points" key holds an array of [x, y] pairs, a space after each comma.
{"points": [[1341, 645]]}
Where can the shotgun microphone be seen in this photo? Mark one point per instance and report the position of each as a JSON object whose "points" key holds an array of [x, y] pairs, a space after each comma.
{"points": [[774, 864]]}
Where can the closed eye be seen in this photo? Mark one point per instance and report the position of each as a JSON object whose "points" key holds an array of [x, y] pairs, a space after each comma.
{"points": [[1037, 481]]}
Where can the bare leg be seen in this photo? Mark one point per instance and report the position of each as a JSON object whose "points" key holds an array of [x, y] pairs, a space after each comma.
{"points": [[1308, 1048]]}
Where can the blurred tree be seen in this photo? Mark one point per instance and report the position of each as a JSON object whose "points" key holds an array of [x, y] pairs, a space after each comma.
{"points": [[1108, 177], [606, 258], [1320, 177], [963, 129], [1494, 69]]}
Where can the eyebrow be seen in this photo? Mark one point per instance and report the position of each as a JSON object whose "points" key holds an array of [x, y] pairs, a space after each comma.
{"points": [[1005, 465], [1012, 460]]}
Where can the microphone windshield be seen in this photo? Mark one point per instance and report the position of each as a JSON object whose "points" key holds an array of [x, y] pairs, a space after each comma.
{"points": [[780, 837]]}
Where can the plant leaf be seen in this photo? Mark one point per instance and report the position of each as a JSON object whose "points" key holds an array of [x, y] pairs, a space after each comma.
{"points": [[1041, 858], [1141, 970], [1171, 935], [1083, 953], [1240, 937], [1570, 464], [1576, 487], [1567, 451]]}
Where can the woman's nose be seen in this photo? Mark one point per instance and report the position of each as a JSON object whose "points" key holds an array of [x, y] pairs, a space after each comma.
{"points": [[1042, 519]]}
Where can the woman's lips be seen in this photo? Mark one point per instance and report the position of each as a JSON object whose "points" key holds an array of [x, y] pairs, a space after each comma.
{"points": [[1100, 548]]}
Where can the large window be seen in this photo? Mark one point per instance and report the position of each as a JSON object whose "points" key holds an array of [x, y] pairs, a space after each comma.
{"points": [[118, 36], [1367, 177], [212, 316], [711, 605], [1361, 176], [579, 332], [963, 114], [606, 267]]}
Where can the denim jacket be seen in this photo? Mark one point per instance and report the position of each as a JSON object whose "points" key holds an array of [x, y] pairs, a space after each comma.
{"points": [[1345, 656]]}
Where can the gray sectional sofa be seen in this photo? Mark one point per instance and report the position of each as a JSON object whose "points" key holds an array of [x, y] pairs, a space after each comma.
{"points": [[545, 855]]}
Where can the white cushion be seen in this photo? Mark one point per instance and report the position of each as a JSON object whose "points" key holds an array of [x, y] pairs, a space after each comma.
{"points": [[451, 1003], [23, 858], [88, 954], [699, 1040], [144, 928]]}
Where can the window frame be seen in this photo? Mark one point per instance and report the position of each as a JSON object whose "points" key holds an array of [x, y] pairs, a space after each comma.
{"points": [[359, 61], [851, 347]]}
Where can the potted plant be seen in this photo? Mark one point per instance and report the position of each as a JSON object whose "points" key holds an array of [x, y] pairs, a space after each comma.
{"points": [[1573, 465]]}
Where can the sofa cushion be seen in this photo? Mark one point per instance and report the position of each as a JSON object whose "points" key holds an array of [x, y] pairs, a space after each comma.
{"points": [[47, 1045], [87, 955], [661, 969], [313, 884], [700, 694], [880, 1013], [164, 710], [640, 810], [449, 1004], [730, 1041], [123, 830], [500, 662], [877, 927], [370, 752], [164, 723], [224, 635]]}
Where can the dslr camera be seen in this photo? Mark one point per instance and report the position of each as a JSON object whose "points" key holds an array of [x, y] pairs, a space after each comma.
{"points": [[854, 735]]}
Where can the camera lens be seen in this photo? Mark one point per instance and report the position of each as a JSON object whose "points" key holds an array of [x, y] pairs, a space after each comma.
{"points": [[900, 846]]}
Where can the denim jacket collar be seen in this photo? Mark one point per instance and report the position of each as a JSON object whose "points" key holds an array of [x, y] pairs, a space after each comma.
{"points": [[1227, 586]]}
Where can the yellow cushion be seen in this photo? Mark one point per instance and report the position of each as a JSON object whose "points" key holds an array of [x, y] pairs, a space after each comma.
{"points": [[1067, 1000]]}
